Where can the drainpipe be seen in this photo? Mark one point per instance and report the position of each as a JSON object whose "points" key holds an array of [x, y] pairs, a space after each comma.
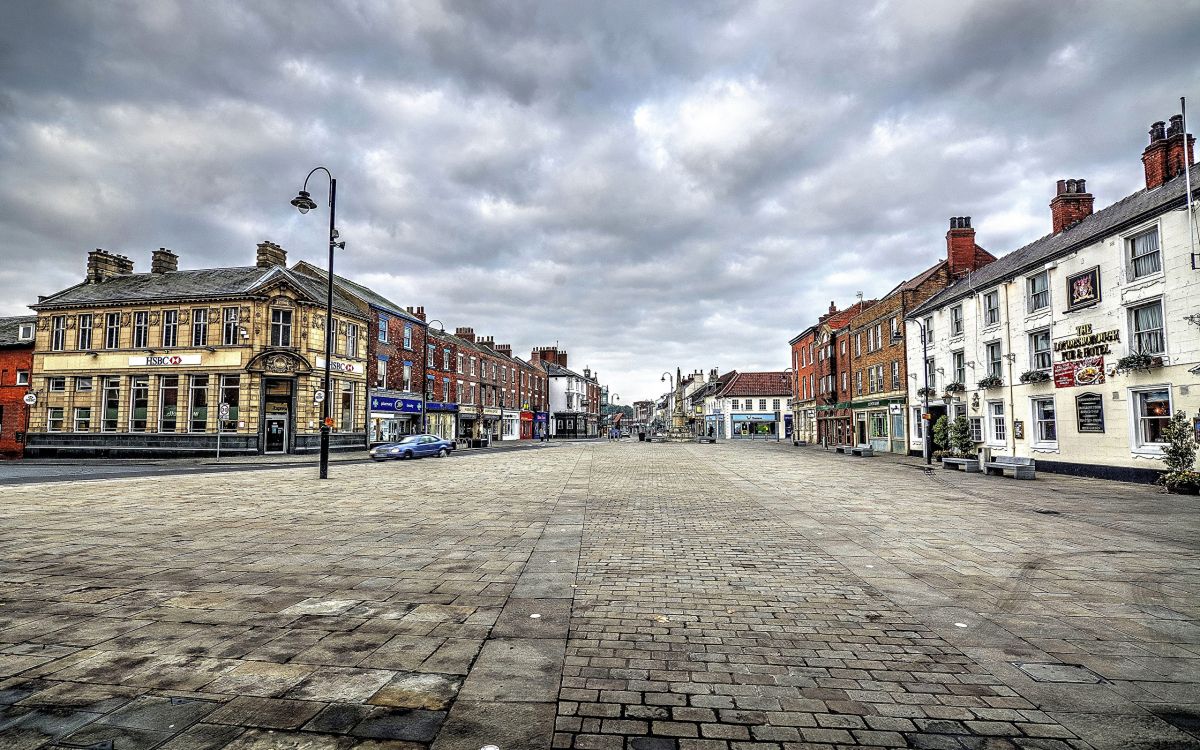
{"points": [[1009, 356]]}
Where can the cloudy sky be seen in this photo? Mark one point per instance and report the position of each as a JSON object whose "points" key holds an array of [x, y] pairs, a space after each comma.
{"points": [[647, 184]]}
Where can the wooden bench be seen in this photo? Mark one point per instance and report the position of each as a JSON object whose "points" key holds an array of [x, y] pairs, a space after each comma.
{"points": [[969, 465], [1022, 468], [865, 451]]}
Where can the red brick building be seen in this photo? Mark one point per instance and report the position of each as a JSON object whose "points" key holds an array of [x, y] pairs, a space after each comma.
{"points": [[16, 363], [804, 385], [833, 368]]}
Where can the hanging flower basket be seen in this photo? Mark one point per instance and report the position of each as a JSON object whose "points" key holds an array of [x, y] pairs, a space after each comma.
{"points": [[1035, 376], [1137, 361], [955, 388], [923, 392], [991, 381]]}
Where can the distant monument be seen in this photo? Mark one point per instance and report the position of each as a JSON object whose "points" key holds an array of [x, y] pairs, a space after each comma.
{"points": [[679, 432]]}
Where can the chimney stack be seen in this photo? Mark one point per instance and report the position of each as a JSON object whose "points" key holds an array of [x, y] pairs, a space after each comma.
{"points": [[1071, 205], [163, 260], [960, 246], [505, 349], [465, 333], [487, 341], [712, 375], [103, 265], [270, 254], [561, 357], [1165, 157]]}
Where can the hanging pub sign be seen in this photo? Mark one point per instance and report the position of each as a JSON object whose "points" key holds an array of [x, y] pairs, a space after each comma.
{"points": [[1089, 412], [1088, 371], [1083, 289]]}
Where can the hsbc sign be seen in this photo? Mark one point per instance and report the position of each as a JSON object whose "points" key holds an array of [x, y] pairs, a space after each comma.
{"points": [[166, 360]]}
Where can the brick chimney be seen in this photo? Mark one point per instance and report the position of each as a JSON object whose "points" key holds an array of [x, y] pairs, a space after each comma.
{"points": [[960, 246], [163, 260], [505, 349], [270, 254], [103, 265], [561, 358], [1071, 205], [465, 333], [487, 341], [1164, 158]]}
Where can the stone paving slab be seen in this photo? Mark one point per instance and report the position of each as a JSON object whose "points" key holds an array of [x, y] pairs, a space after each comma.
{"points": [[690, 598]]}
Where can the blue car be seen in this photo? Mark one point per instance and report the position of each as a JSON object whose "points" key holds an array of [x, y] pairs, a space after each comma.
{"points": [[413, 446]]}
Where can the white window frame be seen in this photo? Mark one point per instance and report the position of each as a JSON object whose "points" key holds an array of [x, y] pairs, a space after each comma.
{"points": [[1036, 421], [988, 361], [25, 332], [956, 320], [1135, 419], [994, 439], [1133, 334], [958, 363], [1032, 301], [58, 333], [987, 322], [1127, 252], [83, 332], [1033, 351], [22, 377]]}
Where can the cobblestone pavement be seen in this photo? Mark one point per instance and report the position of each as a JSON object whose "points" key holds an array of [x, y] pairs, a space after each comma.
{"points": [[599, 595]]}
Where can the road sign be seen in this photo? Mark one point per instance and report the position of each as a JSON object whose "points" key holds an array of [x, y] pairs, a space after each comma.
{"points": [[30, 399], [318, 397], [223, 411]]}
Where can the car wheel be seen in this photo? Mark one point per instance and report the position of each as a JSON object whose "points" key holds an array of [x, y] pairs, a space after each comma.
{"points": [[443, 453], [408, 454]]}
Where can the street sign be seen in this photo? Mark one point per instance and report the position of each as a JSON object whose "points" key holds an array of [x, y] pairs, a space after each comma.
{"points": [[318, 397], [329, 421], [30, 399], [223, 411]]}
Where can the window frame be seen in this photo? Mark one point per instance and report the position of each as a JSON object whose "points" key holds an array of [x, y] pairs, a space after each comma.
{"points": [[229, 326], [83, 332], [1037, 438], [1137, 445], [1134, 335], [141, 329], [58, 333], [998, 362], [280, 327], [1032, 302], [1034, 353], [957, 324], [170, 325], [997, 437], [993, 295], [112, 330], [1129, 242], [199, 326]]}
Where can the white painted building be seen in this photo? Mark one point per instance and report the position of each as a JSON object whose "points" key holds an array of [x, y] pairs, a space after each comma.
{"points": [[1050, 323]]}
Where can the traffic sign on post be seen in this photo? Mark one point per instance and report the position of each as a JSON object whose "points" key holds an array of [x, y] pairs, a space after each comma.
{"points": [[30, 399], [223, 411]]}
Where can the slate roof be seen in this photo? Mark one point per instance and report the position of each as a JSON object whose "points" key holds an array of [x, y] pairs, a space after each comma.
{"points": [[10, 330], [759, 384], [558, 371], [1126, 212], [711, 388], [370, 296], [197, 284]]}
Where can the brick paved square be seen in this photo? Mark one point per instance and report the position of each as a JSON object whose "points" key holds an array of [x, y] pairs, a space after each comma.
{"points": [[685, 597]]}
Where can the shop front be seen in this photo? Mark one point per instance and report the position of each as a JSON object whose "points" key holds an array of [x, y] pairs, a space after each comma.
{"points": [[526, 425], [392, 417], [492, 424], [469, 420], [541, 423], [714, 425], [880, 423], [441, 419], [835, 424], [510, 424], [569, 425], [755, 426]]}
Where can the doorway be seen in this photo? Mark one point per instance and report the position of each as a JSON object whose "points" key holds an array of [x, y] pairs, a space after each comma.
{"points": [[276, 441]]}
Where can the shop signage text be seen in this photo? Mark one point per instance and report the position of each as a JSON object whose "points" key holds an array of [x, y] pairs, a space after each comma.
{"points": [[353, 368], [166, 360], [390, 403], [1086, 344]]}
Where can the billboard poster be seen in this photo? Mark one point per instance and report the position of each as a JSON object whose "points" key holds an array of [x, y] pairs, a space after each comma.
{"points": [[1087, 371]]}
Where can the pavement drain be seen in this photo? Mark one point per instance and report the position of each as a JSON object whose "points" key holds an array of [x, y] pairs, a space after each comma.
{"points": [[1053, 672], [1047, 512], [102, 745]]}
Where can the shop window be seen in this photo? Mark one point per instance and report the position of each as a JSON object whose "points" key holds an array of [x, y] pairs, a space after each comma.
{"points": [[112, 331], [281, 327], [198, 404], [1045, 424], [170, 328], [139, 403], [54, 419], [229, 326], [1152, 409], [347, 406], [141, 329], [200, 326], [1144, 256], [83, 419], [83, 334], [111, 399], [58, 333], [1147, 324], [231, 394], [168, 403]]}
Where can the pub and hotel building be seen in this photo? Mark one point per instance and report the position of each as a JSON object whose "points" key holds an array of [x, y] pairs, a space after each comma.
{"points": [[1076, 349], [172, 361]]}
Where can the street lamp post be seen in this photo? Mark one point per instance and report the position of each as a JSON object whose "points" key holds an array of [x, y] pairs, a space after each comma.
{"points": [[925, 434], [304, 204]]}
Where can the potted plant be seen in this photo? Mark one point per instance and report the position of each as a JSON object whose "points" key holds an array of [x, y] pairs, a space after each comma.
{"points": [[991, 381], [961, 444], [1180, 456], [1137, 361], [956, 387], [1035, 376], [940, 437]]}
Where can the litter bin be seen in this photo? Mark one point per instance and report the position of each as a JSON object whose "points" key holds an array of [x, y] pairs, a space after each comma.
{"points": [[641, 437]]}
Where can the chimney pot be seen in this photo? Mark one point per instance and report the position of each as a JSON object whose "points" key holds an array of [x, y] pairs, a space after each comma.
{"points": [[1176, 126], [1157, 131], [1071, 206]]}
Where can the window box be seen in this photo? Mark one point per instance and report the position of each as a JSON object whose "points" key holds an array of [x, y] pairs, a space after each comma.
{"points": [[1138, 361], [1035, 376], [991, 381]]}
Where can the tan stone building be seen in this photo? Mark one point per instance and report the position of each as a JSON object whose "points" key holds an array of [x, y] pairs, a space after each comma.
{"points": [[164, 363]]}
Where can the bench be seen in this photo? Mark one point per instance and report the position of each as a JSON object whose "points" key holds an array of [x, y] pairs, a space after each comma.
{"points": [[865, 451], [969, 465], [1022, 468], [706, 439], [843, 449]]}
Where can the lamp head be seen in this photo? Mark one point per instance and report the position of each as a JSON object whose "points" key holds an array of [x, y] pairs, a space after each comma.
{"points": [[303, 202]]}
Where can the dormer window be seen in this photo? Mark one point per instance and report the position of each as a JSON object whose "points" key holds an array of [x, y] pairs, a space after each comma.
{"points": [[25, 332]]}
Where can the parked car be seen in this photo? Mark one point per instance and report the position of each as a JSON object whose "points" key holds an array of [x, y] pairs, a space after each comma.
{"points": [[413, 446]]}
